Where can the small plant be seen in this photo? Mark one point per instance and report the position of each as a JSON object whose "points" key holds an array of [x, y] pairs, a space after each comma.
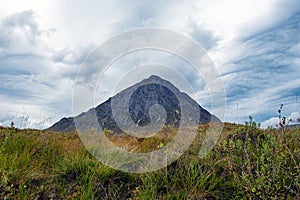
{"points": [[160, 145], [283, 121], [107, 132], [12, 124]]}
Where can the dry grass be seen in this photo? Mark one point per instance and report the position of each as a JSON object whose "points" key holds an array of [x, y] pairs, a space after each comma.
{"points": [[246, 163]]}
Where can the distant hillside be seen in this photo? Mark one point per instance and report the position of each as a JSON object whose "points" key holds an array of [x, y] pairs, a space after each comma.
{"points": [[143, 95]]}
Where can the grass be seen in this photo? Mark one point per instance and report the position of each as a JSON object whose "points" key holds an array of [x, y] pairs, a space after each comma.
{"points": [[246, 163]]}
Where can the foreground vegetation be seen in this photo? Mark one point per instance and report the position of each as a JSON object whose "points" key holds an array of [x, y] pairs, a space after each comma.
{"points": [[246, 163]]}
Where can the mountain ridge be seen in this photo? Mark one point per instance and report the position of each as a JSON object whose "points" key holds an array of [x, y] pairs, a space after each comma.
{"points": [[140, 99]]}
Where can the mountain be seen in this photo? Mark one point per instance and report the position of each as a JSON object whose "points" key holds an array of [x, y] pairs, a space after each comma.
{"points": [[145, 106]]}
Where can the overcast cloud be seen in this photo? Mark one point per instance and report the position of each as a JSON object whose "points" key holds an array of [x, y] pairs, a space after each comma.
{"points": [[255, 45]]}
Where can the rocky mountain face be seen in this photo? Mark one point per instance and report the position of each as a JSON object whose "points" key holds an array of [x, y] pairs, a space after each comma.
{"points": [[145, 106]]}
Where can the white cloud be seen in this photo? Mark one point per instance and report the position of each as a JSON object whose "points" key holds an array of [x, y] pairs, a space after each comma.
{"points": [[294, 116], [32, 77], [273, 121], [42, 45]]}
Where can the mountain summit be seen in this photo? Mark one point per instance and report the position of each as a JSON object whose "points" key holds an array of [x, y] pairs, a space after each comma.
{"points": [[147, 105]]}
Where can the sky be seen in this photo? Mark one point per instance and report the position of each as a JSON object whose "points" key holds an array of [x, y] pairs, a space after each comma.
{"points": [[254, 44]]}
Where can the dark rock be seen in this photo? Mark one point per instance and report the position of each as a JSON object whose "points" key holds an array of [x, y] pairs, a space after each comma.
{"points": [[133, 107]]}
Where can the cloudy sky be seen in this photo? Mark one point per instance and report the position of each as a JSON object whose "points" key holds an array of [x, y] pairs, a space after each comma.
{"points": [[255, 45]]}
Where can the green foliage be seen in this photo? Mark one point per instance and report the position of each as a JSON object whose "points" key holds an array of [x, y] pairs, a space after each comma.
{"points": [[246, 163], [261, 164], [107, 132]]}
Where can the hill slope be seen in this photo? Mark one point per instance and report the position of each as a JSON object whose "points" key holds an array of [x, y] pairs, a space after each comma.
{"points": [[246, 163]]}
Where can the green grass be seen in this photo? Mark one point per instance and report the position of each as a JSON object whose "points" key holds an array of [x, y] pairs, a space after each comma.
{"points": [[246, 163]]}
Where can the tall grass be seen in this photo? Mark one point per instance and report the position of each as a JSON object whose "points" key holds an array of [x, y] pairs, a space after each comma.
{"points": [[246, 163]]}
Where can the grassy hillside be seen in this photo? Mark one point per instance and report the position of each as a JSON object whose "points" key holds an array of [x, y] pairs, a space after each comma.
{"points": [[246, 163]]}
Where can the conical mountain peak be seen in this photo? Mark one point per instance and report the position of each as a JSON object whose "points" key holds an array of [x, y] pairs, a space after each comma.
{"points": [[137, 103], [154, 77]]}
